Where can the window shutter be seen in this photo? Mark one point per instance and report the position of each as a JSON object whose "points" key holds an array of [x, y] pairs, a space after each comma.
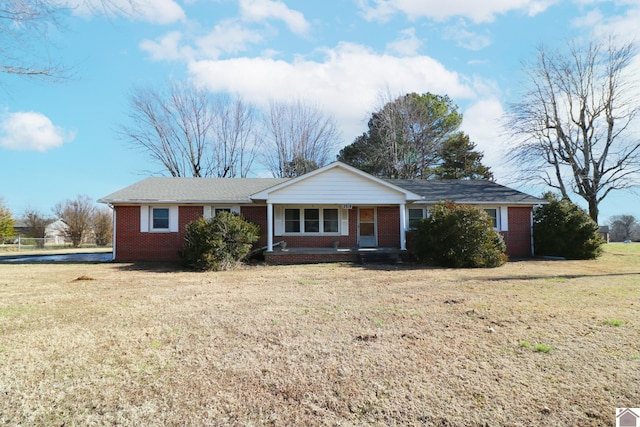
{"points": [[173, 219], [278, 220], [144, 219], [235, 209], [344, 222], [504, 218], [206, 213]]}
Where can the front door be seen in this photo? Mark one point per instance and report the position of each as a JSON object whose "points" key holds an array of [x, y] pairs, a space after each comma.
{"points": [[367, 228]]}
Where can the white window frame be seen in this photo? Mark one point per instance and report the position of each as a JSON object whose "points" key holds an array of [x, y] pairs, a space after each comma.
{"points": [[146, 219], [501, 216], [302, 232], [210, 211], [496, 225], [152, 210], [425, 214]]}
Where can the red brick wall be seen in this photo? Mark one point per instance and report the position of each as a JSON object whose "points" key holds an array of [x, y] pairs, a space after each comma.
{"points": [[518, 238], [389, 227], [283, 258], [132, 245], [258, 215]]}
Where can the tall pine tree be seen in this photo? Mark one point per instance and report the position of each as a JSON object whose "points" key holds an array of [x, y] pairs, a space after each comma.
{"points": [[405, 137], [460, 160]]}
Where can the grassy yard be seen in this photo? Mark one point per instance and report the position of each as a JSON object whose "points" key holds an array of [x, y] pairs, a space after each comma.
{"points": [[545, 343]]}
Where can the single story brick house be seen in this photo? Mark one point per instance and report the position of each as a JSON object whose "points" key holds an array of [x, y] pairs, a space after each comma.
{"points": [[330, 214]]}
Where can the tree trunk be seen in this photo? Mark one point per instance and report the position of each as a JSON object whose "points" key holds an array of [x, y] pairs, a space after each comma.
{"points": [[593, 209]]}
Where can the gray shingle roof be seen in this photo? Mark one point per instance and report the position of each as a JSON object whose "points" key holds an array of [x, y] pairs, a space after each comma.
{"points": [[238, 190], [466, 191], [191, 190]]}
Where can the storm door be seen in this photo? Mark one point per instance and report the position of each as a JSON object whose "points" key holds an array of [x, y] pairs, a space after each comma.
{"points": [[367, 228]]}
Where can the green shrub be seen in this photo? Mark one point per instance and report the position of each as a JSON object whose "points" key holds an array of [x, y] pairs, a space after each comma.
{"points": [[6, 223], [218, 243], [563, 229], [458, 236]]}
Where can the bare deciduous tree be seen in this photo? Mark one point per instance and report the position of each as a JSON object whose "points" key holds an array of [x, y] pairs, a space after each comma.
{"points": [[36, 225], [25, 26], [624, 227], [573, 123], [297, 134], [235, 146], [78, 215], [190, 133], [102, 223]]}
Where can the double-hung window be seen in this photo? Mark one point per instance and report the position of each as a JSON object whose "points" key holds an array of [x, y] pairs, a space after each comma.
{"points": [[311, 220], [415, 216], [493, 214], [160, 219], [330, 220], [292, 220]]}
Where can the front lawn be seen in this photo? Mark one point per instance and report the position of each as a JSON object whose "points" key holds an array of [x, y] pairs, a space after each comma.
{"points": [[529, 343]]}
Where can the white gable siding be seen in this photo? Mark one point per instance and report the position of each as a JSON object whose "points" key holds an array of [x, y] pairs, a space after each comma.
{"points": [[337, 186]]}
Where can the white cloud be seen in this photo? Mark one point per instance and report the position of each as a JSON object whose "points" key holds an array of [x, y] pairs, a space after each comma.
{"points": [[465, 38], [407, 44], [31, 131], [154, 11], [260, 10], [225, 38], [589, 20], [482, 122], [476, 11], [167, 48], [347, 83], [623, 26]]}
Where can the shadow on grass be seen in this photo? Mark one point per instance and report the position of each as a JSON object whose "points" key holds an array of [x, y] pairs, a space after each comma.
{"points": [[501, 275], [152, 266], [551, 277]]}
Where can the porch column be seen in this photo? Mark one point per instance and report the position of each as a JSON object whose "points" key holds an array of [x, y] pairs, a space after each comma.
{"points": [[269, 227], [403, 228]]}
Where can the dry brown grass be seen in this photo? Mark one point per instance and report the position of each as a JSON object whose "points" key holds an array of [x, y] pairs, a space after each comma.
{"points": [[320, 345]]}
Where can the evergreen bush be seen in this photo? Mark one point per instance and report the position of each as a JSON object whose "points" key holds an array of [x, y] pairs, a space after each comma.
{"points": [[563, 229], [458, 236], [218, 243]]}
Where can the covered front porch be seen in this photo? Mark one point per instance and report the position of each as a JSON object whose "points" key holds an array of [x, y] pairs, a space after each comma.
{"points": [[335, 213]]}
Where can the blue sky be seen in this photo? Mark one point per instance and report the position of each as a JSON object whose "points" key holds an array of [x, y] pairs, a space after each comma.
{"points": [[58, 140]]}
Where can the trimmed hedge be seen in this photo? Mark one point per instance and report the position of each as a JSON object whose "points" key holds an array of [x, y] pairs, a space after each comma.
{"points": [[218, 243], [458, 236]]}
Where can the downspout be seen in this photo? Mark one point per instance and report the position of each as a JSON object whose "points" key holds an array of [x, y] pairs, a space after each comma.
{"points": [[403, 227], [533, 251], [269, 227], [113, 237]]}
